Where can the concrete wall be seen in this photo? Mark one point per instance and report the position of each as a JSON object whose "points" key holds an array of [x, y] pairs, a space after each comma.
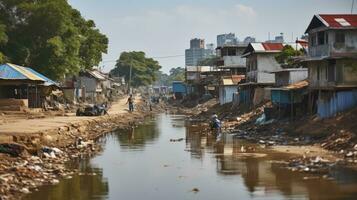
{"points": [[234, 61], [296, 76], [266, 64]]}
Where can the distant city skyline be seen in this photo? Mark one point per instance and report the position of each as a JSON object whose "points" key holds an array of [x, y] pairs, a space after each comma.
{"points": [[164, 28]]}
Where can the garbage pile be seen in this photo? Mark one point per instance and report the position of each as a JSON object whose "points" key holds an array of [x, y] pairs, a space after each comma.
{"points": [[22, 173], [314, 165]]}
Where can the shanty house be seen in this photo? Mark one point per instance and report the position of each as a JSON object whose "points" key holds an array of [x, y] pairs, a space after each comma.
{"points": [[93, 84], [332, 63], [23, 87], [228, 87], [199, 77], [260, 64]]}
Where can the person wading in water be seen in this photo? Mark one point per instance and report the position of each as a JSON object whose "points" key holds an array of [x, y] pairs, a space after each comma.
{"points": [[131, 103]]}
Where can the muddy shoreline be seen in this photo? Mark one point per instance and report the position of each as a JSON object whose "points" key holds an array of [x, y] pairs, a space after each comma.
{"points": [[316, 145], [41, 158]]}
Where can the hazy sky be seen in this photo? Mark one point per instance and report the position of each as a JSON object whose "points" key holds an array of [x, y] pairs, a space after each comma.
{"points": [[164, 27]]}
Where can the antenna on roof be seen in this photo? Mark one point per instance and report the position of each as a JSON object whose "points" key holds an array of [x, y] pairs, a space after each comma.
{"points": [[353, 2]]}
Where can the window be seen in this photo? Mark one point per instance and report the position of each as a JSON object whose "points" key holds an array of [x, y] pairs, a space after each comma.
{"points": [[340, 38], [321, 38], [318, 73], [232, 52]]}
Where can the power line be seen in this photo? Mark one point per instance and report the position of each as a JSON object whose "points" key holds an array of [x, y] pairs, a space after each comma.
{"points": [[157, 57], [353, 2]]}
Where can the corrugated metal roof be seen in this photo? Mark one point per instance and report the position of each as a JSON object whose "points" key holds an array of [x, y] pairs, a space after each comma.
{"points": [[10, 71], [25, 72], [96, 74], [48, 81], [258, 47], [339, 20], [273, 46], [334, 21]]}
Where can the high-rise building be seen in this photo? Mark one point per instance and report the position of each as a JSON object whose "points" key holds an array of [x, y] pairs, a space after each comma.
{"points": [[197, 43], [196, 52], [226, 39]]}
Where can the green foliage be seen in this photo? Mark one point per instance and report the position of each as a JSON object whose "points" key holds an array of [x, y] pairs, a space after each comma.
{"points": [[176, 74], [286, 55], [144, 70], [50, 36]]}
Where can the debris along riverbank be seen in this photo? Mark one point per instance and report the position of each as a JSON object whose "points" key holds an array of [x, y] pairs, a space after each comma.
{"points": [[32, 160], [317, 144]]}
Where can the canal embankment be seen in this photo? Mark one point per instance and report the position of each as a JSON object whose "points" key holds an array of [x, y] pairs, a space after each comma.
{"points": [[34, 152], [317, 143]]}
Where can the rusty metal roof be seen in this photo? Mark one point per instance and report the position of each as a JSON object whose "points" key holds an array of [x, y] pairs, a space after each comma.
{"points": [[333, 21]]}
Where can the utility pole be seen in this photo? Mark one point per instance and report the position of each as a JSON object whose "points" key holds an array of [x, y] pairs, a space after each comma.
{"points": [[129, 84]]}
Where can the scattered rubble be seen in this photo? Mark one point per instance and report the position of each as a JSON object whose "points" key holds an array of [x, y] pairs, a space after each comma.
{"points": [[35, 160]]}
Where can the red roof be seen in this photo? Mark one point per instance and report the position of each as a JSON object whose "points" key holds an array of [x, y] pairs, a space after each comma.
{"points": [[333, 23], [273, 46]]}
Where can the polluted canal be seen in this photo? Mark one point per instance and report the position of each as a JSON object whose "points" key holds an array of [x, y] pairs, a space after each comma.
{"points": [[152, 162]]}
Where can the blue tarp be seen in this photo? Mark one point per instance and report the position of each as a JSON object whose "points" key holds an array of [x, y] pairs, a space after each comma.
{"points": [[338, 102]]}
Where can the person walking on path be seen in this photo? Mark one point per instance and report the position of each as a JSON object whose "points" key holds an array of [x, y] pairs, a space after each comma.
{"points": [[131, 103]]}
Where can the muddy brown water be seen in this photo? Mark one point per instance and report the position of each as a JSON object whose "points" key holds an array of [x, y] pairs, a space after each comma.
{"points": [[144, 164]]}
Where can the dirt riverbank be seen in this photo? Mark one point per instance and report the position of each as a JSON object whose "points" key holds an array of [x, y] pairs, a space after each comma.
{"points": [[35, 151], [316, 143]]}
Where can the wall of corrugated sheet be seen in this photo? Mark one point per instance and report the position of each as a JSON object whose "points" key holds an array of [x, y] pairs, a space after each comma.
{"points": [[330, 104]]}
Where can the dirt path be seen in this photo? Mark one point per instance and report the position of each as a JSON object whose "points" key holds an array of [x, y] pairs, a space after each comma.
{"points": [[28, 126]]}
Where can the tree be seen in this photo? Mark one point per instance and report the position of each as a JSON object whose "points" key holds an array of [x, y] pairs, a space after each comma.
{"points": [[144, 70], [177, 74], [3, 41], [285, 57], [50, 36]]}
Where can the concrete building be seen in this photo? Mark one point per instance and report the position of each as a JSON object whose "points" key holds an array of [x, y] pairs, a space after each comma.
{"points": [[197, 43], [196, 52], [231, 60], [226, 39], [332, 62]]}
